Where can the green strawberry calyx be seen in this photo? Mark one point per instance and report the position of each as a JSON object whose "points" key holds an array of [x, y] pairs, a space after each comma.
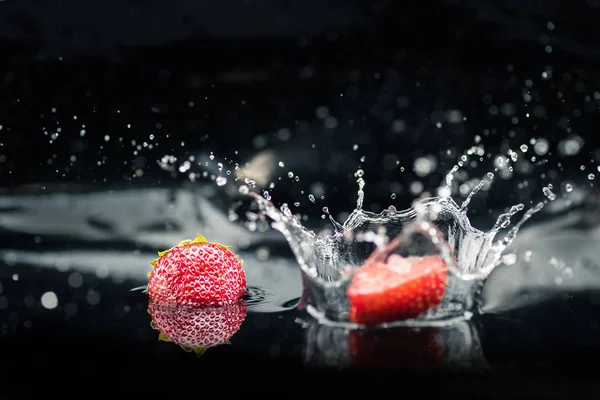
{"points": [[199, 351], [199, 239]]}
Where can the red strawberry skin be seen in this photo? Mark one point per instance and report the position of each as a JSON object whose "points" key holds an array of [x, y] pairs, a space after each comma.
{"points": [[400, 347], [399, 289], [197, 328], [197, 273]]}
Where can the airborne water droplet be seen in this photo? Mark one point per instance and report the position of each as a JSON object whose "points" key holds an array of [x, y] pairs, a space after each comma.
{"points": [[221, 181], [547, 190]]}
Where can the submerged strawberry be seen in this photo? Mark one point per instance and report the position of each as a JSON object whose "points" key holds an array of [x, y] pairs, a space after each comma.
{"points": [[398, 347], [197, 328], [196, 273], [398, 289]]}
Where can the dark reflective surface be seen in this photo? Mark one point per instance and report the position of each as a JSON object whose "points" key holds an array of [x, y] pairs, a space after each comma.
{"points": [[95, 284], [84, 205]]}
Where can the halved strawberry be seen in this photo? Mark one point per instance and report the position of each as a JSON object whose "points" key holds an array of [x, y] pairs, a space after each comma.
{"points": [[401, 288], [398, 347], [197, 328], [197, 273]]}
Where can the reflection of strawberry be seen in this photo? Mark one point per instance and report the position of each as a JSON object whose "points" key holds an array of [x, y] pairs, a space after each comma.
{"points": [[198, 273], [197, 328], [400, 288], [398, 347]]}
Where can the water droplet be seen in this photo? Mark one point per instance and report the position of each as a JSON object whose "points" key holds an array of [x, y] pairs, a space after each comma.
{"points": [[591, 177], [424, 166], [244, 189], [547, 190], [49, 300], [509, 259], [221, 181], [558, 280], [568, 187]]}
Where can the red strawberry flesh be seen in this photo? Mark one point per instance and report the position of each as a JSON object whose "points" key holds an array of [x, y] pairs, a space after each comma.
{"points": [[399, 289], [400, 347]]}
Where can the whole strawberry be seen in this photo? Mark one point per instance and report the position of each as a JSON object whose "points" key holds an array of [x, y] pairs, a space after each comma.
{"points": [[196, 273], [197, 328]]}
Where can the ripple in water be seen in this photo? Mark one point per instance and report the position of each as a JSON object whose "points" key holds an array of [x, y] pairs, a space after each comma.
{"points": [[256, 296]]}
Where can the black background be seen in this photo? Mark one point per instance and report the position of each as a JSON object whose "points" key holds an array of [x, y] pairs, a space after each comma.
{"points": [[251, 73]]}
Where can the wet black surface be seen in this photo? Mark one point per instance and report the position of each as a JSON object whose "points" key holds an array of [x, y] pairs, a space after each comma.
{"points": [[78, 218]]}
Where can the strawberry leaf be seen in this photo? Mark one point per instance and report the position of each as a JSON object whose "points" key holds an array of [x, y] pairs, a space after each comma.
{"points": [[199, 351], [163, 338]]}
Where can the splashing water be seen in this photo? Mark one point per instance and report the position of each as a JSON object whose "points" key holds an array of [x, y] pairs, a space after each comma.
{"points": [[433, 225]]}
